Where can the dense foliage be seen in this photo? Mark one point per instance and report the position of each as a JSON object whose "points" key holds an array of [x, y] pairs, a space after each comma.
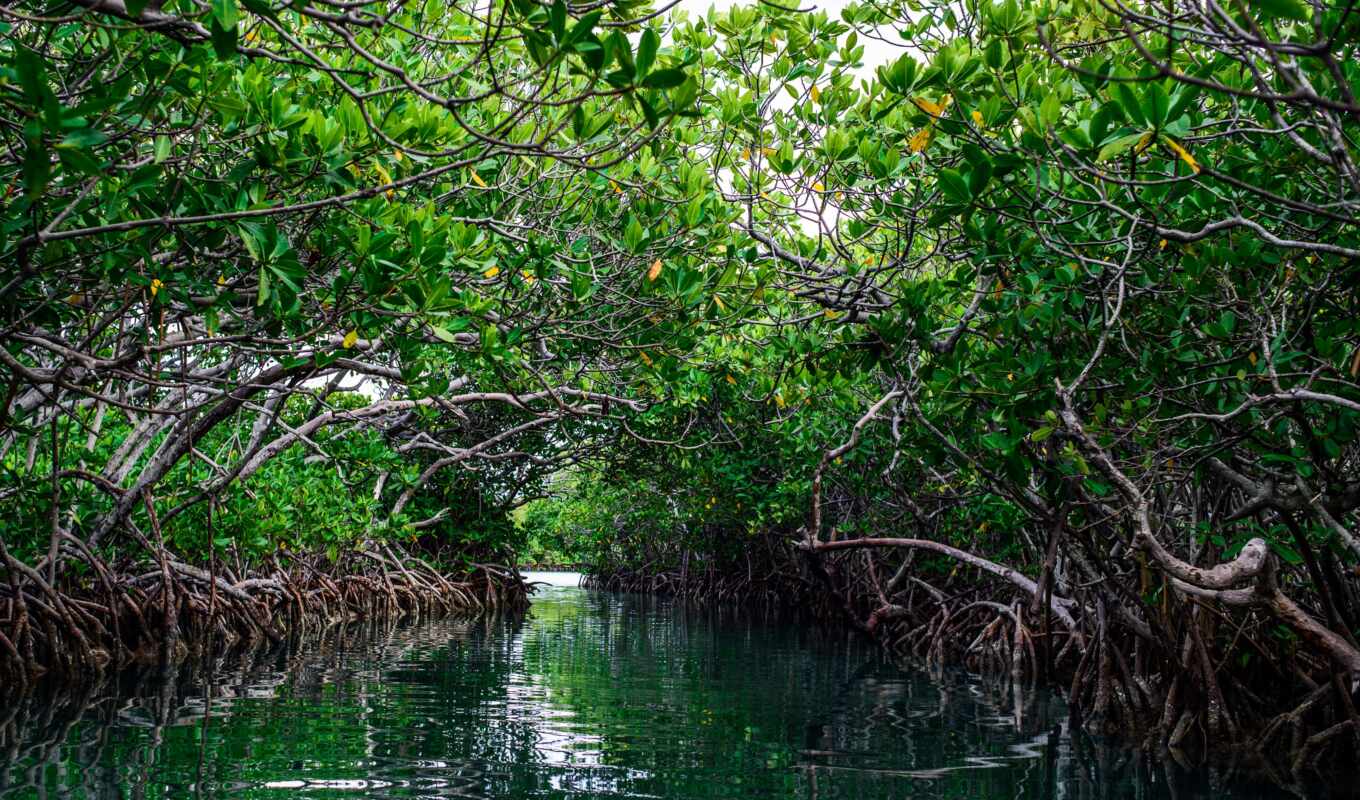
{"points": [[1054, 301]]}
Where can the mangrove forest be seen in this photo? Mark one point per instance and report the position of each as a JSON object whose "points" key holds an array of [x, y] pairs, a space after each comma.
{"points": [[1010, 348]]}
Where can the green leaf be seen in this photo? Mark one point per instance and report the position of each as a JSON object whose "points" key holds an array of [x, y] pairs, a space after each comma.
{"points": [[994, 55], [622, 52], [583, 27], [998, 441], [648, 112], [633, 235], [223, 39], [1181, 100], [1082, 466], [1129, 102], [683, 98], [664, 79], [1155, 105], [83, 138], [1286, 553], [1049, 110], [1119, 146], [646, 52], [225, 13], [442, 334], [37, 167], [953, 185], [557, 19], [1100, 122], [978, 178], [1286, 9], [32, 75]]}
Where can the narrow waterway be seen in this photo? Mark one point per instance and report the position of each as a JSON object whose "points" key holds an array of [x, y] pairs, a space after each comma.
{"points": [[592, 696]]}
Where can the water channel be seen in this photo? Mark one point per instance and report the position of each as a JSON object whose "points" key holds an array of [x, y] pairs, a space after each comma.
{"points": [[591, 696]]}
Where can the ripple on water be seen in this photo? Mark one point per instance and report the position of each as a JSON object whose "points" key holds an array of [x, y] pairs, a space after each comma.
{"points": [[593, 696]]}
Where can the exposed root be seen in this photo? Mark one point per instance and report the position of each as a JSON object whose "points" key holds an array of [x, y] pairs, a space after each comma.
{"points": [[112, 616], [1189, 700]]}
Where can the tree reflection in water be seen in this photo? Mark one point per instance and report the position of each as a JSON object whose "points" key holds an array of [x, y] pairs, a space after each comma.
{"points": [[591, 696]]}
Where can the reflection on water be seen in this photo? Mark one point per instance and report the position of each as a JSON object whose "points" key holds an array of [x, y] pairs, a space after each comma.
{"points": [[593, 696]]}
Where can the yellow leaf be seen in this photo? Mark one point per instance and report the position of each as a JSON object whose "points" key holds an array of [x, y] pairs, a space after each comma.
{"points": [[815, 93], [385, 177], [646, 359], [221, 280], [350, 339], [779, 400], [933, 109], [1161, 245], [156, 286], [1183, 153], [1251, 358], [615, 187], [719, 303], [477, 179], [746, 154], [492, 271], [977, 119], [919, 141], [731, 380], [655, 271], [528, 276], [831, 313], [818, 187], [1143, 142]]}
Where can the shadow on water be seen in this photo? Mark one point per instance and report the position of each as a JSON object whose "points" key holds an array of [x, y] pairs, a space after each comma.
{"points": [[591, 696]]}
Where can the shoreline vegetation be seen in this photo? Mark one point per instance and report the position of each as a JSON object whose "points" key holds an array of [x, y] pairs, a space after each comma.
{"points": [[1018, 333], [166, 613], [969, 625]]}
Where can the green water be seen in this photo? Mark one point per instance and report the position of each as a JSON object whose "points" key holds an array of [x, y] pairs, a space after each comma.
{"points": [[592, 696]]}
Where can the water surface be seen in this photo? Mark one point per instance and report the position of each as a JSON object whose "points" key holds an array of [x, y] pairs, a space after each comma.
{"points": [[592, 696]]}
